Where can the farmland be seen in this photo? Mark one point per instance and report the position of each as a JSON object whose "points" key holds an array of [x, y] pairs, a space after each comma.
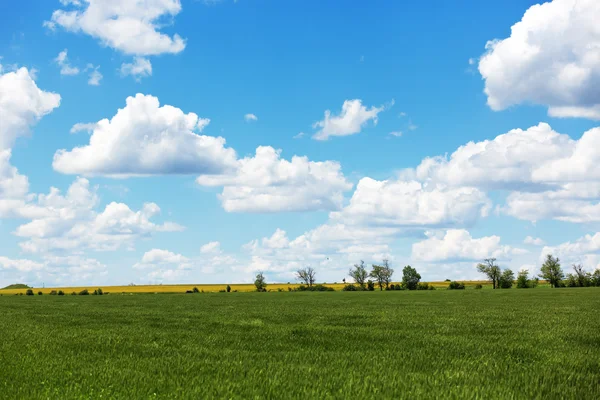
{"points": [[542, 343]]}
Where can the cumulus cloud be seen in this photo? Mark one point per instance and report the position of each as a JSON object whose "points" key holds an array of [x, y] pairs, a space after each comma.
{"points": [[458, 245], [353, 117], [20, 265], [551, 58], [63, 62], [144, 138], [95, 76], [130, 26], [413, 204], [14, 188], [139, 68], [534, 241], [22, 104], [268, 183], [585, 250]]}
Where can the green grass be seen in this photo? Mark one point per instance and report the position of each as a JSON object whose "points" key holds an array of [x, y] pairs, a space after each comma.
{"points": [[430, 344], [16, 286]]}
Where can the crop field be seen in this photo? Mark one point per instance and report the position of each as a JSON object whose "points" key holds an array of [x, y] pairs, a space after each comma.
{"points": [[542, 343]]}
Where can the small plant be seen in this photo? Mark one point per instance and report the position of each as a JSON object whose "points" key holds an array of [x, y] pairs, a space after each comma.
{"points": [[29, 292], [228, 289], [479, 286], [61, 293], [279, 289], [84, 292], [456, 286], [73, 294], [195, 290]]}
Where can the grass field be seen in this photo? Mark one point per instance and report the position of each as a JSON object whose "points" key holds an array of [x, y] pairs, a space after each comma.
{"points": [[400, 344], [206, 288]]}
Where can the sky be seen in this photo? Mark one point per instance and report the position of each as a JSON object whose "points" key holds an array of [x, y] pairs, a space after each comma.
{"points": [[189, 141]]}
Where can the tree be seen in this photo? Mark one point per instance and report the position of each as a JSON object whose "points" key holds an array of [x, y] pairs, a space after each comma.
{"points": [[489, 268], [551, 271], [382, 274], [260, 282], [582, 277], [523, 279], [306, 275], [228, 289], [410, 278], [359, 274], [506, 279]]}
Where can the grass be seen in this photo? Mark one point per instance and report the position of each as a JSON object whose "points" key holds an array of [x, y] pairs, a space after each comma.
{"points": [[422, 344]]}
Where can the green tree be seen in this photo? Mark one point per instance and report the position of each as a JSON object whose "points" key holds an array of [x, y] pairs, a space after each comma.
{"points": [[489, 268], [410, 278], [582, 277], [523, 279], [551, 271], [260, 282], [507, 279], [382, 274], [359, 274], [306, 275]]}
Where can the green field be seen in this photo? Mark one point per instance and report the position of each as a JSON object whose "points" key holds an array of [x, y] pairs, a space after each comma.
{"points": [[542, 343]]}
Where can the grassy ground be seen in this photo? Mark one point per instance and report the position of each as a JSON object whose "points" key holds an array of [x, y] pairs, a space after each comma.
{"points": [[207, 288], [429, 344]]}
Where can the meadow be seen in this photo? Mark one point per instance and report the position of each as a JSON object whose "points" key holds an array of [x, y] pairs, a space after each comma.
{"points": [[542, 343]]}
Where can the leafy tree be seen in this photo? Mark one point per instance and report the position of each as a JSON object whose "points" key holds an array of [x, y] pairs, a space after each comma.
{"points": [[523, 281], [260, 282], [370, 285], [359, 274], [306, 275], [582, 277], [410, 278], [195, 290], [507, 279], [551, 271], [29, 292], [489, 268], [382, 274], [596, 278]]}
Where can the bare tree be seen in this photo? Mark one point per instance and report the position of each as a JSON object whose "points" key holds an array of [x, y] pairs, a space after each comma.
{"points": [[489, 268], [581, 275], [306, 275], [359, 274]]}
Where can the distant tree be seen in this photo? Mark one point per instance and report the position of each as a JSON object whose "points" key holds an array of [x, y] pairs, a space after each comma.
{"points": [[523, 281], [260, 282], [228, 289], [40, 293], [456, 286], [410, 278], [359, 274], [195, 290], [551, 271], [382, 274], [306, 275], [489, 268], [370, 285], [596, 278], [582, 277], [29, 292], [507, 279]]}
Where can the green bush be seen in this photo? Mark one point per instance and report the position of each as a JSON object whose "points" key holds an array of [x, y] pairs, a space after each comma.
{"points": [[98, 292], [228, 289], [456, 286], [479, 286], [40, 293], [314, 288], [280, 289], [189, 291], [422, 286], [61, 293], [370, 285], [29, 292], [84, 292], [53, 293], [195, 290], [350, 288]]}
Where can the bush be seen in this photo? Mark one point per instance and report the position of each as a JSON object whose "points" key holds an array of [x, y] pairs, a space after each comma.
{"points": [[84, 292], [61, 293], [456, 286], [280, 289], [350, 288], [316, 288], [29, 292], [222, 291], [98, 292], [422, 286], [479, 286], [370, 285], [73, 294], [40, 293], [228, 289], [195, 290], [53, 293]]}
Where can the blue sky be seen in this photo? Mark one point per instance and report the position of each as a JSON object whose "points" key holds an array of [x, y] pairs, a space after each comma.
{"points": [[331, 115]]}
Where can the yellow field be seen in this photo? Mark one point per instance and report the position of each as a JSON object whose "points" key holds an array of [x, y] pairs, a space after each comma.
{"points": [[183, 288]]}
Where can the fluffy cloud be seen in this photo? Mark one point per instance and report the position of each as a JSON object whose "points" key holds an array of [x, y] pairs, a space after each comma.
{"points": [[211, 248], [157, 257], [131, 26], [70, 223], [63, 62], [267, 183], [413, 204], [585, 250], [458, 245], [146, 139], [20, 265], [14, 188], [139, 68], [533, 241], [353, 117], [552, 57], [250, 117], [22, 105], [95, 76]]}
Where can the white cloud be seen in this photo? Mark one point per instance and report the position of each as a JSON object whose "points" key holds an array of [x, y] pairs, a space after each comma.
{"points": [[267, 183], [146, 139], [396, 133], [130, 26], [211, 248], [20, 265], [250, 117], [63, 62], [95, 76], [458, 245], [585, 250], [413, 204], [22, 104], [551, 58], [139, 68], [14, 188], [533, 241], [353, 117]]}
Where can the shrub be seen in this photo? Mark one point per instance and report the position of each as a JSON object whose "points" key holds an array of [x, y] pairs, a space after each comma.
{"points": [[222, 291], [289, 289], [596, 278], [370, 285], [421, 286], [447, 280], [228, 289], [53, 293], [29, 292], [350, 288], [61, 293], [479, 286], [40, 293], [431, 287], [84, 292], [316, 288], [195, 290], [98, 292], [456, 286], [73, 294], [506, 279], [280, 289]]}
